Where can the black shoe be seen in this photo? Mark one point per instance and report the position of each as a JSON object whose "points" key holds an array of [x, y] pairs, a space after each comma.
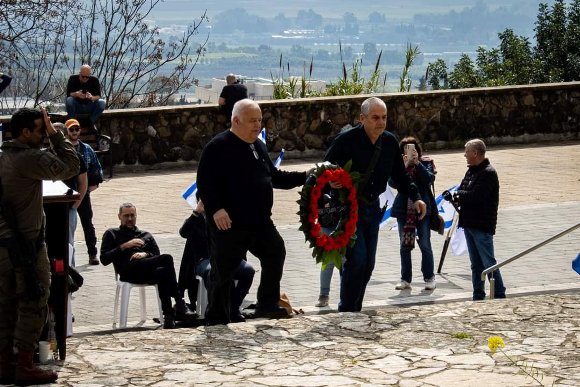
{"points": [[168, 322], [93, 260], [272, 312], [237, 318], [183, 313], [210, 322]]}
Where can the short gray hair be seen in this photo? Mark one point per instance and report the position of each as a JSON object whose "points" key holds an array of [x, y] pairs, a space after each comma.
{"points": [[368, 103], [241, 105], [477, 145], [59, 126], [126, 205]]}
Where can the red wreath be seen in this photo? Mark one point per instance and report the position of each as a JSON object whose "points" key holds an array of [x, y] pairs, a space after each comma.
{"points": [[328, 247]]}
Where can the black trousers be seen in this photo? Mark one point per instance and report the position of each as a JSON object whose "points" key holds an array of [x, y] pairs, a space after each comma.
{"points": [[85, 212], [228, 249], [156, 270]]}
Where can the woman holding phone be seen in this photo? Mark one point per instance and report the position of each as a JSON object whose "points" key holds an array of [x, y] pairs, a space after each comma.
{"points": [[422, 172]]}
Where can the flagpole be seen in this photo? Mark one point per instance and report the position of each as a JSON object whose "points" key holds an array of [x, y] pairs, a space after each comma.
{"points": [[447, 240]]}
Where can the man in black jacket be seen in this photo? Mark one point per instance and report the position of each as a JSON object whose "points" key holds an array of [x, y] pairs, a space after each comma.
{"points": [[366, 144], [235, 179], [136, 258], [83, 93], [478, 197]]}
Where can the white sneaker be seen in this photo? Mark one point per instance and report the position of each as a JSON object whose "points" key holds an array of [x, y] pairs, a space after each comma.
{"points": [[430, 284], [403, 285], [322, 302]]}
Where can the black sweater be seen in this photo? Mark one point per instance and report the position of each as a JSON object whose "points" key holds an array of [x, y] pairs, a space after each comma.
{"points": [[229, 176]]}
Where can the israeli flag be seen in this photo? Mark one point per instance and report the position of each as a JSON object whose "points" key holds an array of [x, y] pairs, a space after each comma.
{"points": [[279, 158], [387, 198], [189, 195], [262, 135], [447, 211]]}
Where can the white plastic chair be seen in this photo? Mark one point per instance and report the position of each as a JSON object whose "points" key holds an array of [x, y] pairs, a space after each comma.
{"points": [[124, 290], [201, 297]]}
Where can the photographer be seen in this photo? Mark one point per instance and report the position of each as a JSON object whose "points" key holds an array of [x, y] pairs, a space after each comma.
{"points": [[24, 265], [84, 95], [478, 199], [422, 173]]}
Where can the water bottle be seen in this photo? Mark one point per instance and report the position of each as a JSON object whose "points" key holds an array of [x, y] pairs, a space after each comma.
{"points": [[576, 264]]}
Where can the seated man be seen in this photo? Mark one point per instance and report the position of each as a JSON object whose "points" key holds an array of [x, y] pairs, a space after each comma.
{"points": [[195, 261], [83, 93], [136, 258]]}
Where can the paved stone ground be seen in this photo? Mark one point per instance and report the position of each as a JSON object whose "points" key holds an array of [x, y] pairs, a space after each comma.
{"points": [[429, 345], [538, 198]]}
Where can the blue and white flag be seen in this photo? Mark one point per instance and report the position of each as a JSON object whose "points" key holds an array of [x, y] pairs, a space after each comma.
{"points": [[189, 194], [447, 211], [387, 198], [279, 158]]}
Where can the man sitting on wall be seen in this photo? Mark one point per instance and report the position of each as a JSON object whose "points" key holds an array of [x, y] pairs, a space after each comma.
{"points": [[84, 95]]}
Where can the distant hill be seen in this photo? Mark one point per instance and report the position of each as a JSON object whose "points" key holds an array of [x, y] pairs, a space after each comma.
{"points": [[178, 11]]}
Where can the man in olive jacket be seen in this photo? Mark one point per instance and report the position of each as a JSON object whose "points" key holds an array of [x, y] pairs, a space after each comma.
{"points": [[24, 265]]}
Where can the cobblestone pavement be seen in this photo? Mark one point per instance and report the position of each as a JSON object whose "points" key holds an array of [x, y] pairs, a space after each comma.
{"points": [[429, 345], [403, 338]]}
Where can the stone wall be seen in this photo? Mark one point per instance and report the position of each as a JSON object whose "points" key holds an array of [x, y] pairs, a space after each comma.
{"points": [[304, 127]]}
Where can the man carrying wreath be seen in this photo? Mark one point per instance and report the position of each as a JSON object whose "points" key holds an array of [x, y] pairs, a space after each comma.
{"points": [[375, 155]]}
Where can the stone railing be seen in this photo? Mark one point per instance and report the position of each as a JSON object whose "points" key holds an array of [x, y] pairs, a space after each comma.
{"points": [[304, 127]]}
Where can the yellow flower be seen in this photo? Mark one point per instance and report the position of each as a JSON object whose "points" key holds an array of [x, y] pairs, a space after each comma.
{"points": [[495, 342]]}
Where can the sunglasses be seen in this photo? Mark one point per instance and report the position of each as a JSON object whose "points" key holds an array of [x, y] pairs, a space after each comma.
{"points": [[84, 76], [74, 129]]}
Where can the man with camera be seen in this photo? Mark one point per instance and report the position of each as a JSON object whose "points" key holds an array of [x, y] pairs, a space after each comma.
{"points": [[24, 264], [478, 199], [84, 95]]}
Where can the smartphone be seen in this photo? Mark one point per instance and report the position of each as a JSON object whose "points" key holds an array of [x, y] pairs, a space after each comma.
{"points": [[409, 148]]}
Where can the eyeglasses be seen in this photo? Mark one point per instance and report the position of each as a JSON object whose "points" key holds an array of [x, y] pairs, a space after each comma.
{"points": [[74, 129], [253, 148]]}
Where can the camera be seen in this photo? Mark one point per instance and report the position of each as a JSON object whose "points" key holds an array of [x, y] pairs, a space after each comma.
{"points": [[451, 198]]}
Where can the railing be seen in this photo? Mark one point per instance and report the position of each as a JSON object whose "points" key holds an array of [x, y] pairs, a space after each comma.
{"points": [[495, 267]]}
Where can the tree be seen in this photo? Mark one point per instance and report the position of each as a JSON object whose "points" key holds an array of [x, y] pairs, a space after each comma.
{"points": [[377, 18], [550, 41], [436, 75], [464, 74], [405, 80], [573, 42], [32, 41], [42, 42]]}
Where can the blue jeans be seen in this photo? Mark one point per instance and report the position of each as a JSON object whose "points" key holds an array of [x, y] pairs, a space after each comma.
{"points": [[325, 279], [94, 109], [360, 259], [424, 234], [244, 274], [480, 247]]}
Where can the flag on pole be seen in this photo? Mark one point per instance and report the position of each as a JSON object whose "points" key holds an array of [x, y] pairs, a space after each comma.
{"points": [[447, 211], [189, 194], [386, 199]]}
